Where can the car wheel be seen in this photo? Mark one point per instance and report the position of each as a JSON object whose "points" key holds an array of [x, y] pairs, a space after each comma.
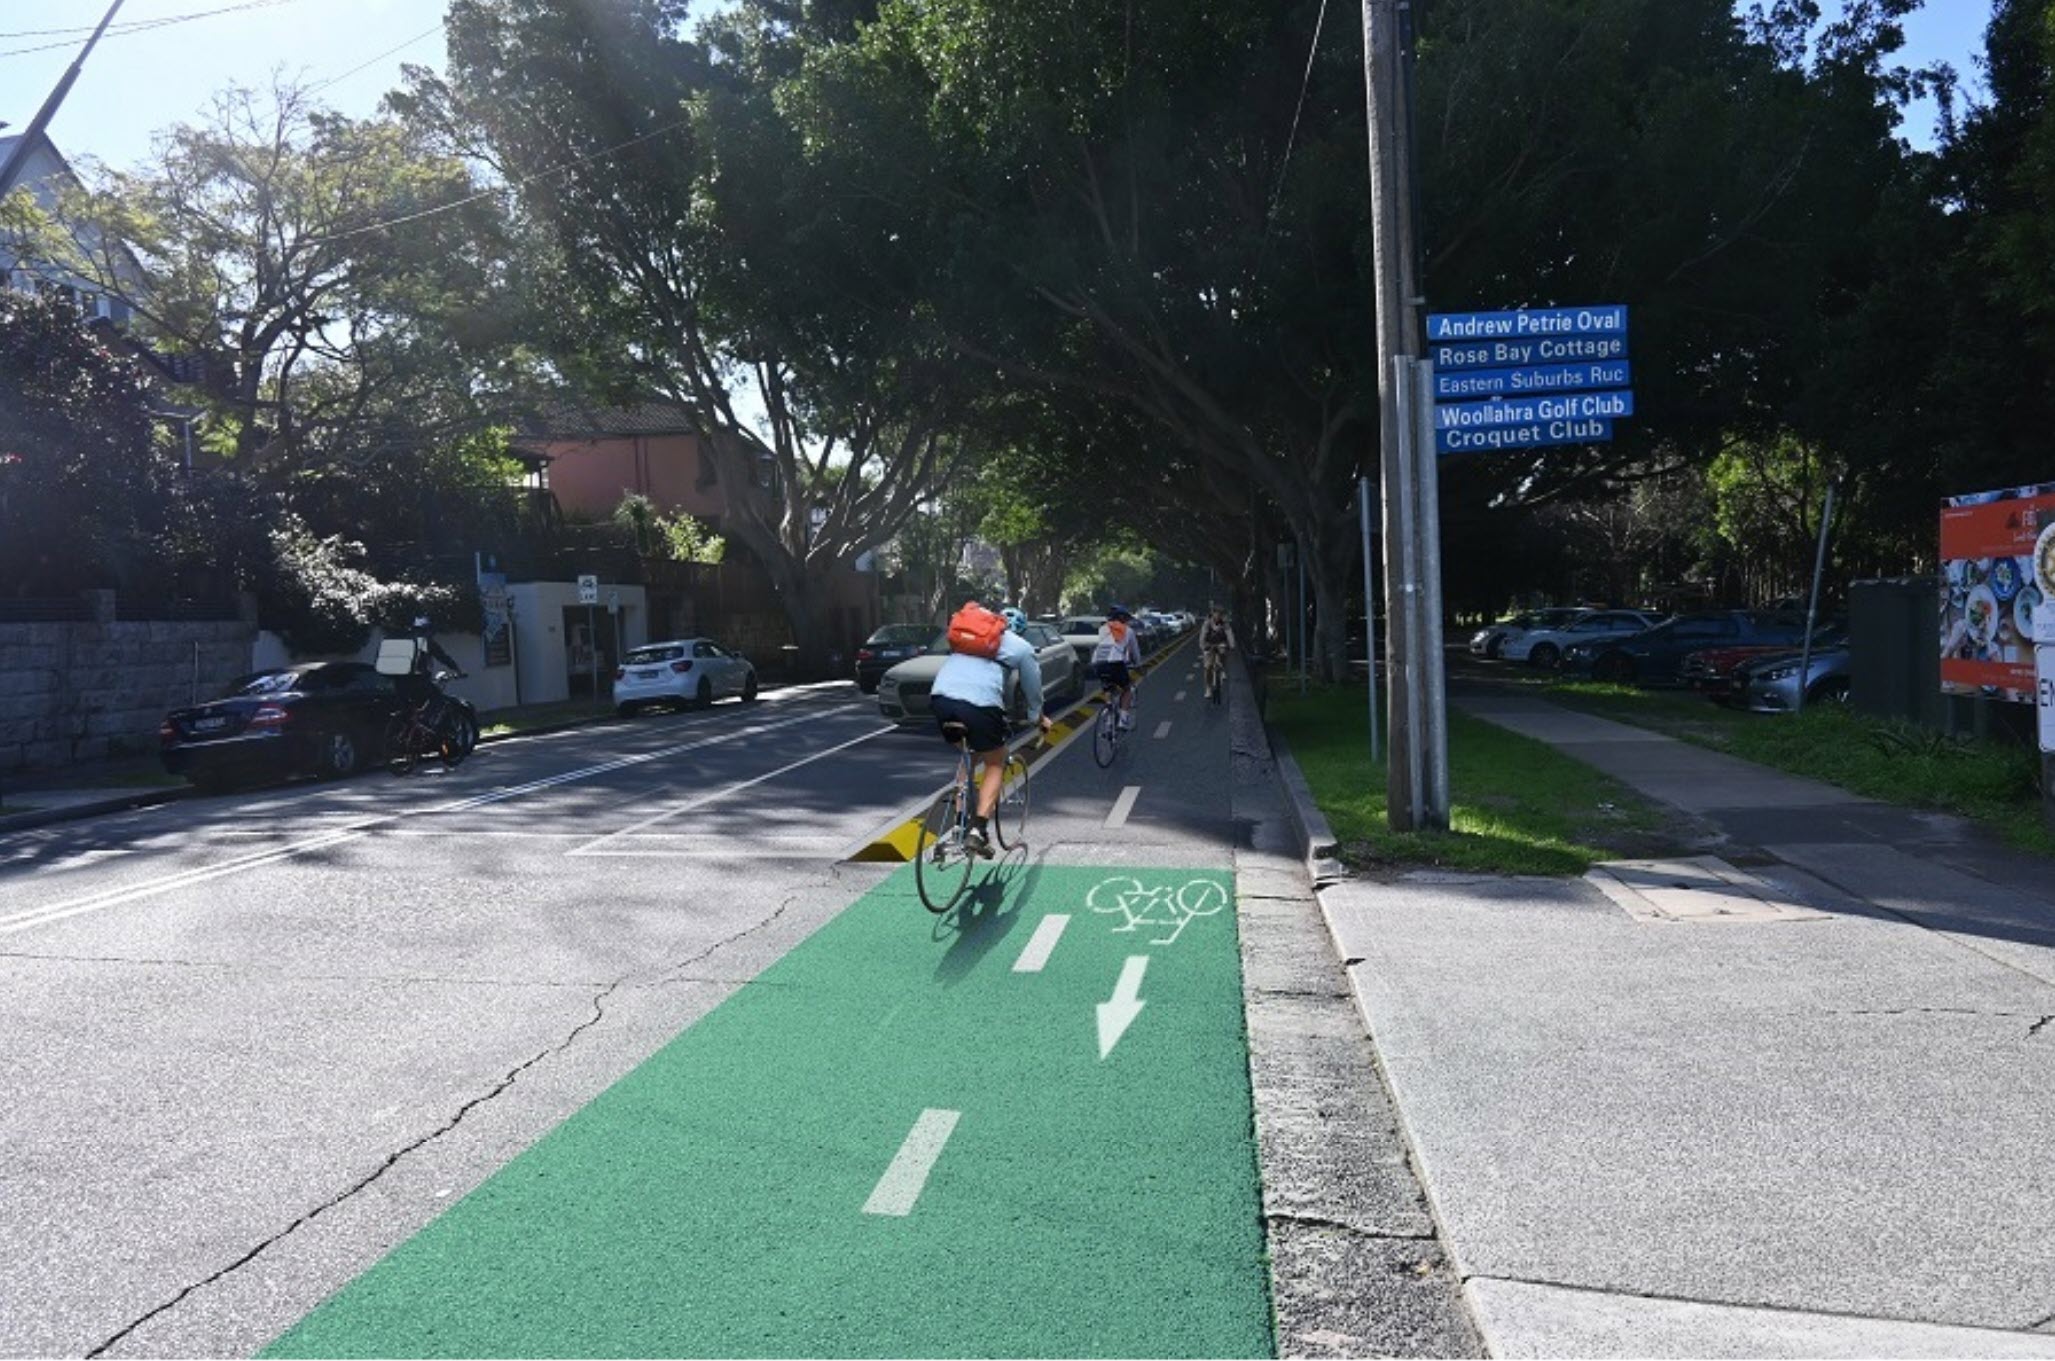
{"points": [[1614, 668], [704, 696], [1833, 690], [1545, 655], [749, 689], [338, 756]]}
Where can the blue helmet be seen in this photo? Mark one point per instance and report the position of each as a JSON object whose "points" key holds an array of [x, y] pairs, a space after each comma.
{"points": [[1118, 612], [1015, 619]]}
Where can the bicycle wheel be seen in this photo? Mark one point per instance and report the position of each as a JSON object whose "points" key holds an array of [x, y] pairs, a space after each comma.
{"points": [[1105, 734], [941, 862], [1009, 819], [399, 743]]}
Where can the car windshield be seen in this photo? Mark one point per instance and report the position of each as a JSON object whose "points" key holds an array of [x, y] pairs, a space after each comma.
{"points": [[940, 645], [643, 656], [267, 683], [1080, 625], [898, 634]]}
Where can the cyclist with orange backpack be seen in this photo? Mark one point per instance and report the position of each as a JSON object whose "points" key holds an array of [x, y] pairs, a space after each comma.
{"points": [[970, 692], [1115, 654]]}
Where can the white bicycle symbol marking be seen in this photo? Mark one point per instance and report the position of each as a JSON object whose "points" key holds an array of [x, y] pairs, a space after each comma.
{"points": [[1158, 906]]}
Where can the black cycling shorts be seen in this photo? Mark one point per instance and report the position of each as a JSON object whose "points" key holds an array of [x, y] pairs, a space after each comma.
{"points": [[987, 724], [1113, 675]]}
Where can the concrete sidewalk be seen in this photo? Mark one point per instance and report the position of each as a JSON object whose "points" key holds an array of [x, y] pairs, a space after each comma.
{"points": [[1815, 1130]]}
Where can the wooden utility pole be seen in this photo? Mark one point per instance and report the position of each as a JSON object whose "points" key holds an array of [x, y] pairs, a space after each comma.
{"points": [[11, 171], [1416, 779]]}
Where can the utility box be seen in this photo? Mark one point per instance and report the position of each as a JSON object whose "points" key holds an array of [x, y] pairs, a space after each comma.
{"points": [[1895, 649]]}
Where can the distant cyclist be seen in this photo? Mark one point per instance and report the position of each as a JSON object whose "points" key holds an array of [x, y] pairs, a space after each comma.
{"points": [[971, 690], [1216, 636], [1117, 650]]}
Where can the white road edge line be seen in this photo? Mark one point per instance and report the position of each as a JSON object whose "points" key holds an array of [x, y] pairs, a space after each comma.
{"points": [[1163, 728], [901, 1185], [592, 847], [1123, 805], [1042, 944]]}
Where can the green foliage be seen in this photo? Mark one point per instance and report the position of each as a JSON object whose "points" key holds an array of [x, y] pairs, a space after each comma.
{"points": [[678, 538], [318, 597], [82, 483]]}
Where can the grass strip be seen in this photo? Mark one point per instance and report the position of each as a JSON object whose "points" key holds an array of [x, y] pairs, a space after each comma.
{"points": [[531, 716], [1994, 784], [1517, 806]]}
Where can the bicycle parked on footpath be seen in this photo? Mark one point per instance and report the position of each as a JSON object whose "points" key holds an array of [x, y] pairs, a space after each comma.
{"points": [[942, 856]]}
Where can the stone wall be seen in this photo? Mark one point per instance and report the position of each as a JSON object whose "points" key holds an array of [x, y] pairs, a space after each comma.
{"points": [[83, 691]]}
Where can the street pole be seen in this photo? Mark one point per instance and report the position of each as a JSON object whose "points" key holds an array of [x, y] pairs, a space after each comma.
{"points": [[1304, 650], [1433, 659], [592, 651], [1369, 611], [1812, 608], [11, 171], [1416, 741]]}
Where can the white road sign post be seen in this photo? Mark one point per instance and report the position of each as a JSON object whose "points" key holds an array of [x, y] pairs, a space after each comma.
{"points": [[588, 596]]}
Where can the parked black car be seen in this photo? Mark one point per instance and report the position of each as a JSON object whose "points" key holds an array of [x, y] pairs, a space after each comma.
{"points": [[326, 718], [1656, 656], [886, 648]]}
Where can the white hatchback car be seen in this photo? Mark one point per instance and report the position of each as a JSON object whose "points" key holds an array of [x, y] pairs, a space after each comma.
{"points": [[683, 671]]}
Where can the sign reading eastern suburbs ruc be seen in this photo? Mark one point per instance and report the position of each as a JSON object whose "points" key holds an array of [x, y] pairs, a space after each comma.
{"points": [[1548, 376]]}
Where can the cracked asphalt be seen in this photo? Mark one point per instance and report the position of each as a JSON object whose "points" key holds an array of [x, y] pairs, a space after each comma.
{"points": [[263, 1040]]}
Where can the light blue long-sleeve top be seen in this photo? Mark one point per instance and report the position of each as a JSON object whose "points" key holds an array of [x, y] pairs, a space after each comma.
{"points": [[974, 680]]}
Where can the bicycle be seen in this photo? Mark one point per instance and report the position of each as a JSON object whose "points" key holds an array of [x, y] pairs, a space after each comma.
{"points": [[1108, 733], [942, 855], [1216, 674], [437, 726]]}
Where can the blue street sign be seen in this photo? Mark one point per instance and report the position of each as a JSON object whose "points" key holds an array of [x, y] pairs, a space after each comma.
{"points": [[1528, 323], [1572, 406], [1474, 383], [1505, 354], [1499, 437]]}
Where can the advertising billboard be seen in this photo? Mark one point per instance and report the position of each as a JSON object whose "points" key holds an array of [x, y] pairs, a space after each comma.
{"points": [[1997, 552]]}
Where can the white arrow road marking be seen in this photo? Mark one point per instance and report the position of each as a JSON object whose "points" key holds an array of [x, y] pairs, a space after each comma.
{"points": [[1116, 1015], [1178, 698], [1042, 944], [1123, 805], [901, 1185], [1163, 728]]}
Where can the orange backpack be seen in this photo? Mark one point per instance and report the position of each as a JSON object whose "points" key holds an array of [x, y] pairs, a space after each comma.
{"points": [[976, 630]]}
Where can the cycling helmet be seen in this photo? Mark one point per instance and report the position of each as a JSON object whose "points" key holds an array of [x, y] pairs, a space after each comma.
{"points": [[1015, 620], [1119, 612]]}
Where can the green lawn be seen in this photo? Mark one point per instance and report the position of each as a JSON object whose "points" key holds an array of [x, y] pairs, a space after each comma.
{"points": [[1519, 807], [1990, 782]]}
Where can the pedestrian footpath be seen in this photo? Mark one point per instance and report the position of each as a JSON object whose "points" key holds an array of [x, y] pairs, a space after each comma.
{"points": [[1786, 1097]]}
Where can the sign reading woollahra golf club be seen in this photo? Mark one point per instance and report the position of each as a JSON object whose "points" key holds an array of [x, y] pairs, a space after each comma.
{"points": [[1549, 376]]}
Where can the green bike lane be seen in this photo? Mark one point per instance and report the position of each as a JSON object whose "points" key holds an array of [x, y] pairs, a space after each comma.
{"points": [[900, 1139]]}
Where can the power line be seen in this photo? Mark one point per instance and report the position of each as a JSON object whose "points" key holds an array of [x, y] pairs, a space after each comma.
{"points": [[132, 27], [1305, 84], [507, 188], [324, 84]]}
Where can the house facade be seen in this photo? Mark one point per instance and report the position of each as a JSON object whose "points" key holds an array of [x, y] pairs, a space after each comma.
{"points": [[45, 176]]}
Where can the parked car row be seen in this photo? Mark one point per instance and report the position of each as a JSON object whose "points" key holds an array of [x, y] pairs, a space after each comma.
{"points": [[331, 719], [1745, 658]]}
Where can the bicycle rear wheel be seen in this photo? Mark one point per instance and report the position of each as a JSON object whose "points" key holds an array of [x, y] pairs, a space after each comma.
{"points": [[941, 862], [1105, 737], [1009, 819]]}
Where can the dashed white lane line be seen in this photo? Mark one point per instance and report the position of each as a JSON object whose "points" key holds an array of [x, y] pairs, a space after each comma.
{"points": [[1163, 728], [903, 1181], [1123, 805], [1178, 698], [1042, 944]]}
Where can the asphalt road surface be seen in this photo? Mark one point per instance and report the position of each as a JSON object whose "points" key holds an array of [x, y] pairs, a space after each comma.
{"points": [[601, 1045]]}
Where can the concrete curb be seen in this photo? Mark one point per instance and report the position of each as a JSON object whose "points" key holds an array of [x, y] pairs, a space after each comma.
{"points": [[1317, 842], [142, 798]]}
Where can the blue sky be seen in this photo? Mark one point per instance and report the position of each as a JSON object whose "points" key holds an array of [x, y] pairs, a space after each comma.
{"points": [[138, 83]]}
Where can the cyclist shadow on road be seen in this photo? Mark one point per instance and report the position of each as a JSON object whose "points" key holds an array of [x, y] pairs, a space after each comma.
{"points": [[989, 911]]}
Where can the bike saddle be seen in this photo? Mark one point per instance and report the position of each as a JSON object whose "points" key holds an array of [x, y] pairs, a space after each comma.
{"points": [[956, 732]]}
